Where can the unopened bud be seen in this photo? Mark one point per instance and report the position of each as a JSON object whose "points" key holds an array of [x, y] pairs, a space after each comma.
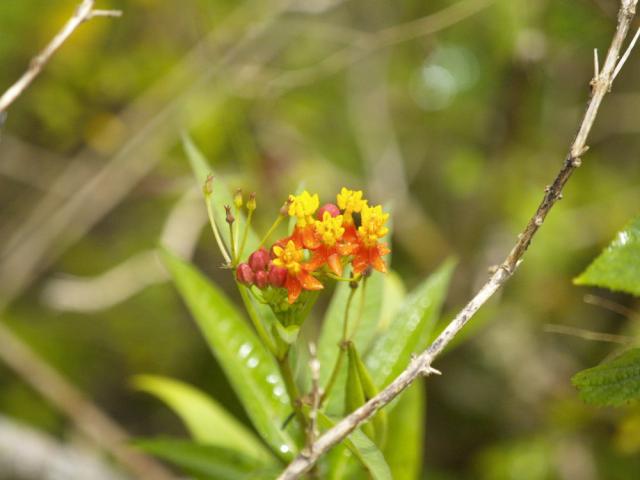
{"points": [[259, 260], [284, 209], [237, 198], [277, 276], [244, 274], [333, 210], [262, 279], [230, 218], [251, 203], [207, 188]]}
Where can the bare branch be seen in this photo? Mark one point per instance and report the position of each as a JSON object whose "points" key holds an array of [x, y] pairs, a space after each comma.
{"points": [[83, 13], [421, 364]]}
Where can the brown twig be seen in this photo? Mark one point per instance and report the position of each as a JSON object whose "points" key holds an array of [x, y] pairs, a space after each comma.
{"points": [[421, 364], [84, 12]]}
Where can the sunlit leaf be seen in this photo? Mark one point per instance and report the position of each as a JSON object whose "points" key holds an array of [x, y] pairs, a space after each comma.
{"points": [[405, 434], [208, 462], [618, 266], [207, 421], [250, 368], [409, 331], [611, 383]]}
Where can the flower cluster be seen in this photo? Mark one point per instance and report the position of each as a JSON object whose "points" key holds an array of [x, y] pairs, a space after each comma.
{"points": [[323, 241]]}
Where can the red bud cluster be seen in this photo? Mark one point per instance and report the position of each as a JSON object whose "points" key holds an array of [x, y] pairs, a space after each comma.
{"points": [[260, 271]]}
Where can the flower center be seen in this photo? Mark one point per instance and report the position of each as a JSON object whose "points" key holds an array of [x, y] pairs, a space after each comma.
{"points": [[372, 228]]}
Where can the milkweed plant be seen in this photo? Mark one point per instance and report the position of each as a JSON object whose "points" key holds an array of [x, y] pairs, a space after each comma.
{"points": [[290, 389]]}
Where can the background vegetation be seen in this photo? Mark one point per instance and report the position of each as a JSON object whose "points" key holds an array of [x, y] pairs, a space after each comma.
{"points": [[458, 121]]}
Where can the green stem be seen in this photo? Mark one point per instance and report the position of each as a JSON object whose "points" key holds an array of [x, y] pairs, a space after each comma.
{"points": [[360, 309], [245, 233], [234, 258], [216, 232], [292, 389], [271, 230], [342, 346], [257, 323]]}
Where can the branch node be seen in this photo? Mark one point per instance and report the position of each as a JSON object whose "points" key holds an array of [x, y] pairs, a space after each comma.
{"points": [[539, 220], [576, 162]]}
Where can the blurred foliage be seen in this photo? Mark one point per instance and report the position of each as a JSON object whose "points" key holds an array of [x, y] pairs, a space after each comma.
{"points": [[461, 129]]}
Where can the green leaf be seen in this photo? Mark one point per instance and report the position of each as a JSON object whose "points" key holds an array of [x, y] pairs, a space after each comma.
{"points": [[379, 290], [250, 368], [363, 449], [611, 383], [206, 420], [221, 195], [409, 331], [403, 449], [618, 266], [208, 461], [360, 389]]}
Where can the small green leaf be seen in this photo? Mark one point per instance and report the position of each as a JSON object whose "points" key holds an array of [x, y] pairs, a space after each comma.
{"points": [[363, 449], [611, 383], [411, 327], [250, 368], [360, 389], [288, 334], [618, 266], [208, 461], [207, 421], [403, 449]]}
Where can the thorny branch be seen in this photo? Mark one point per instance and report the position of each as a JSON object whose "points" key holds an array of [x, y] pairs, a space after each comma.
{"points": [[84, 12], [421, 364]]}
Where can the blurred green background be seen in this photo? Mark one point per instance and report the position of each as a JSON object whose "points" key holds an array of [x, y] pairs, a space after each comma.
{"points": [[458, 119]]}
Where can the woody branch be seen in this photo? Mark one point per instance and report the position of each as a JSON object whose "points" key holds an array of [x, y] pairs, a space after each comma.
{"points": [[421, 364], [83, 12]]}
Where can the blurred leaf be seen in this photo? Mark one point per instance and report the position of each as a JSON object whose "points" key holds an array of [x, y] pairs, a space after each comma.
{"points": [[207, 421], [410, 329], [221, 195], [250, 368], [405, 434], [611, 383], [207, 461], [618, 266], [363, 449]]}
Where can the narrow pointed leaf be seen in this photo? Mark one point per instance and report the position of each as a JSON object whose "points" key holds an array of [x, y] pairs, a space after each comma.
{"points": [[354, 393], [207, 421], [363, 449], [248, 365], [409, 331], [618, 266], [403, 449], [208, 462], [611, 383]]}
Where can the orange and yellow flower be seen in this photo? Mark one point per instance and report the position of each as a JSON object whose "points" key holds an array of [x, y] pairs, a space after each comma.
{"points": [[298, 278], [369, 251], [331, 250]]}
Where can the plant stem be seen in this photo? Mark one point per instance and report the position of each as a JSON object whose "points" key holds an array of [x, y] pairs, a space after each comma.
{"points": [[255, 319], [216, 231], [292, 389], [245, 233], [271, 230], [342, 346]]}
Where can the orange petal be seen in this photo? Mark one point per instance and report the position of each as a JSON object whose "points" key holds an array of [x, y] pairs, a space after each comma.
{"points": [[309, 282], [378, 264], [359, 264], [335, 264], [293, 288], [309, 239], [316, 262]]}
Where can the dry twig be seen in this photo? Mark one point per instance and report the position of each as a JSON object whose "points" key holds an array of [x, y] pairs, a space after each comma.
{"points": [[421, 364], [84, 12]]}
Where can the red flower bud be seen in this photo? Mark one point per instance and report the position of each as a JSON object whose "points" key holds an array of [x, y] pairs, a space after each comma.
{"points": [[262, 279], [244, 274], [277, 276], [259, 260], [333, 210]]}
